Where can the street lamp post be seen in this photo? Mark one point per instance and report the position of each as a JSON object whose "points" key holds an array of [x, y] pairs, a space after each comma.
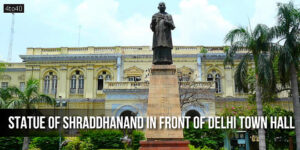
{"points": [[60, 139]]}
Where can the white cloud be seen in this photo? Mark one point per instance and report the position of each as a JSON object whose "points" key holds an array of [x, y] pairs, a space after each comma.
{"points": [[197, 23], [265, 12], [200, 23], [98, 18]]}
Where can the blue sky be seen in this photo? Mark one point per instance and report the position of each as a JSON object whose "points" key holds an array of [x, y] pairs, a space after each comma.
{"points": [[55, 23]]}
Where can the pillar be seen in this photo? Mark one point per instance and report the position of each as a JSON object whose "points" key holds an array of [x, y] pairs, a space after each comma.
{"points": [[119, 65], [62, 82], [228, 88], [89, 83], [199, 65]]}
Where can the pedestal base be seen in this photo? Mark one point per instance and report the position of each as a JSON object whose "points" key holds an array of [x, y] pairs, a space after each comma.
{"points": [[164, 145], [163, 100]]}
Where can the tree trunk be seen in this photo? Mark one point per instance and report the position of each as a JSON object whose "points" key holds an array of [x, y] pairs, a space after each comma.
{"points": [[25, 143], [296, 103], [259, 107]]}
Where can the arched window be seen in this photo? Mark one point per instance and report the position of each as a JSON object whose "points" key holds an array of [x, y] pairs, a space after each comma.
{"points": [[81, 84], [185, 78], [73, 84], [218, 83], [216, 77], [210, 77], [192, 113], [54, 84], [107, 78], [46, 84], [103, 76], [128, 113], [100, 82], [77, 82]]}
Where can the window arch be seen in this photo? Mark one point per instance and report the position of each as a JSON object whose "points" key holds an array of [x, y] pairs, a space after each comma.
{"points": [[54, 84], [103, 76], [215, 77], [218, 83], [80, 84], [100, 82], [107, 77], [210, 77], [77, 82], [192, 113], [50, 82], [73, 82], [46, 84]]}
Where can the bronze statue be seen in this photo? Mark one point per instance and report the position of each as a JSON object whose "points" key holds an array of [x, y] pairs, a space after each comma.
{"points": [[161, 25]]}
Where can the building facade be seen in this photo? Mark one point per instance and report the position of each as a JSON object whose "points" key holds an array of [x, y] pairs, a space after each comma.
{"points": [[116, 78]]}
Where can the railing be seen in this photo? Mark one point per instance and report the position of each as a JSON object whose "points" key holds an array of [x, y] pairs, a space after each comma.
{"points": [[72, 91], [145, 85], [46, 91], [185, 48], [80, 91], [76, 91], [132, 48], [104, 49], [197, 85], [53, 91], [125, 49], [126, 85], [79, 49], [51, 51]]}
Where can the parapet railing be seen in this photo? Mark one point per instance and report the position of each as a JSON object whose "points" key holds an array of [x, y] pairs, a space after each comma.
{"points": [[119, 49], [145, 85]]}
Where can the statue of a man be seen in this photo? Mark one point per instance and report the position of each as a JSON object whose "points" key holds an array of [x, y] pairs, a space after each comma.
{"points": [[161, 25]]}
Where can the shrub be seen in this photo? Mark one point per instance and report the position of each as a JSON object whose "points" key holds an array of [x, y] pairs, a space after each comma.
{"points": [[210, 138], [87, 145], [11, 143], [46, 143], [76, 144], [137, 136], [73, 145], [103, 138]]}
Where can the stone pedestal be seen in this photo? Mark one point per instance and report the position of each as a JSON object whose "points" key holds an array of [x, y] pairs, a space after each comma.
{"points": [[163, 100]]}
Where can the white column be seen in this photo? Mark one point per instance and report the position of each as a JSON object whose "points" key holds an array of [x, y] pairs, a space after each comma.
{"points": [[199, 68], [119, 64]]}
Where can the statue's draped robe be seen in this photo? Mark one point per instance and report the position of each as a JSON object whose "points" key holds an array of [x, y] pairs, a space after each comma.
{"points": [[161, 25]]}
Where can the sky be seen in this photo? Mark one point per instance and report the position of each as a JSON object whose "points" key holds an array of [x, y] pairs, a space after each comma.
{"points": [[57, 23]]}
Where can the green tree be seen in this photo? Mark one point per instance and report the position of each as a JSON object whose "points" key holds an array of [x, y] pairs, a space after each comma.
{"points": [[11, 143], [205, 137], [2, 67], [5, 94], [275, 138], [288, 19], [27, 99], [2, 94], [46, 143], [258, 43]]}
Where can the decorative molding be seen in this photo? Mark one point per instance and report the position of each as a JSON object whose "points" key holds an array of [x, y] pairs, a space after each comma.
{"points": [[5, 77], [21, 77], [132, 71], [185, 70]]}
